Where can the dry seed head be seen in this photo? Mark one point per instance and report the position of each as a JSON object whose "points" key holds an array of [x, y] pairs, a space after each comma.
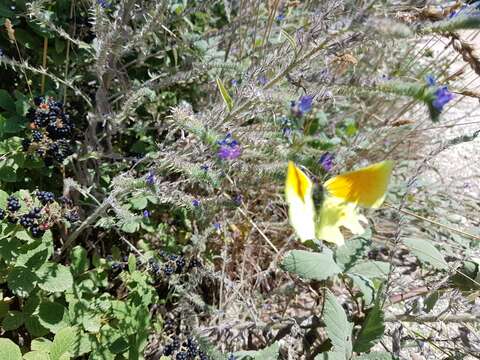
{"points": [[10, 30]]}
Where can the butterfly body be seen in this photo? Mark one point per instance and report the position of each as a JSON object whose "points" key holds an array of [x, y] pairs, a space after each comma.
{"points": [[318, 212]]}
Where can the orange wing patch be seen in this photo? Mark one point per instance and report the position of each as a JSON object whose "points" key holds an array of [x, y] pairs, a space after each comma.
{"points": [[366, 187]]}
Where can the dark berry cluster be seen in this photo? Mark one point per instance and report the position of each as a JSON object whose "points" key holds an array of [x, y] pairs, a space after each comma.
{"points": [[183, 350], [33, 218], [172, 264], [52, 131]]}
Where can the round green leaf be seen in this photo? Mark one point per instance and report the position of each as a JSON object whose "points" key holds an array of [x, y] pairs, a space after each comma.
{"points": [[54, 277], [21, 281], [9, 350], [310, 265], [53, 316]]}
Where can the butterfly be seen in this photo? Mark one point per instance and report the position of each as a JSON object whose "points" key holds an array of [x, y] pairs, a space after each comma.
{"points": [[318, 212]]}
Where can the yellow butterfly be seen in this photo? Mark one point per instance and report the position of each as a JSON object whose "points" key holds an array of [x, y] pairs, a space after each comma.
{"points": [[366, 187]]}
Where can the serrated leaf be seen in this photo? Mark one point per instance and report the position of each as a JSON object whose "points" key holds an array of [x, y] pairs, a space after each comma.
{"points": [[13, 320], [79, 260], [426, 252], [36, 355], [353, 250], [21, 281], [33, 326], [132, 263], [376, 355], [365, 286], [372, 330], [64, 344], [338, 328], [41, 344], [53, 316], [9, 350], [225, 96], [371, 269], [310, 265], [54, 277]]}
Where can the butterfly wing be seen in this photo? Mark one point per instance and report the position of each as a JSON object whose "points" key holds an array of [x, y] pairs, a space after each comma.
{"points": [[301, 211], [366, 187]]}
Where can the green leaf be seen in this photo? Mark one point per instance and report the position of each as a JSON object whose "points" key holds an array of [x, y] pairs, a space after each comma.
{"points": [[338, 328], [21, 281], [130, 226], [269, 353], [54, 277], [353, 250], [6, 101], [78, 260], [376, 355], [53, 316], [225, 96], [139, 202], [365, 285], [310, 265], [64, 344], [13, 320], [426, 252], [371, 269], [36, 355], [34, 327], [331, 355], [132, 263], [372, 330], [41, 344], [9, 350], [431, 300]]}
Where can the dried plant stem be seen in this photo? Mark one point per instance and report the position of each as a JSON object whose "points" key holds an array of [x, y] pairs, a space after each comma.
{"points": [[44, 63], [407, 212], [459, 318]]}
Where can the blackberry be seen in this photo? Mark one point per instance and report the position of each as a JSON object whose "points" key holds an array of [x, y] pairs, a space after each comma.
{"points": [[192, 347], [194, 263], [34, 213], [172, 257], [13, 204], [180, 263], [65, 200], [168, 350], [36, 231], [168, 270], [151, 261], [40, 120], [176, 343], [45, 197], [181, 356], [2, 214], [202, 355], [116, 266], [72, 217], [154, 267], [37, 136], [26, 221], [109, 258], [38, 100], [26, 144]]}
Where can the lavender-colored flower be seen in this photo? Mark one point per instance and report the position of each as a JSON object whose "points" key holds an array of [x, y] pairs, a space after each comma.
{"points": [[234, 82], [204, 167], [146, 214], [196, 203], [305, 103], [326, 161], [430, 80], [442, 97], [238, 199], [262, 80], [150, 178], [217, 226], [229, 148], [104, 4], [280, 17], [227, 152]]}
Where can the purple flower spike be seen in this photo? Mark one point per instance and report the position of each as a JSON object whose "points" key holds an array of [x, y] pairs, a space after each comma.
{"points": [[442, 97], [326, 161], [196, 203], [305, 103], [146, 213], [430, 80], [150, 178], [229, 148]]}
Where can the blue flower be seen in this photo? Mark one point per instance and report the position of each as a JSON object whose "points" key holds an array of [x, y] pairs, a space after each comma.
{"points": [[234, 82], [442, 97], [304, 105], [196, 203], [326, 161], [229, 148], [146, 214], [262, 79], [104, 4], [150, 178], [280, 17], [238, 199], [217, 226], [204, 167], [430, 80]]}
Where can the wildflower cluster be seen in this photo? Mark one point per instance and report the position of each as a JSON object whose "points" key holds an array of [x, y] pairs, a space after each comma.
{"points": [[35, 218], [52, 131], [440, 96], [302, 106], [229, 148]]}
